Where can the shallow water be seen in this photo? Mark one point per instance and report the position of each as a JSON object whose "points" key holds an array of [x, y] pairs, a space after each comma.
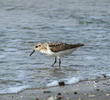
{"points": [[23, 23]]}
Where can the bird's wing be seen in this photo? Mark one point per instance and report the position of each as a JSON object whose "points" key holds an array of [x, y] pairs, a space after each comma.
{"points": [[56, 47]]}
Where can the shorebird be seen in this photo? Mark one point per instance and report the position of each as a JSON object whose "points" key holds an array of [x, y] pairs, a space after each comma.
{"points": [[56, 50]]}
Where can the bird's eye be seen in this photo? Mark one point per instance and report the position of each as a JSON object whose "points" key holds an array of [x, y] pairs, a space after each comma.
{"points": [[36, 46]]}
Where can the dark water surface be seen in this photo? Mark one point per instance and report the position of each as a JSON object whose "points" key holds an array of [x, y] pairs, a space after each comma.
{"points": [[23, 23]]}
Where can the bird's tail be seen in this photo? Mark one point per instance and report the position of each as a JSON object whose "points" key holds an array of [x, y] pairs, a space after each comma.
{"points": [[77, 45], [80, 44]]}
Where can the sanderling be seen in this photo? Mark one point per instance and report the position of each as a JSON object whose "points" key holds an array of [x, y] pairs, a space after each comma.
{"points": [[56, 50]]}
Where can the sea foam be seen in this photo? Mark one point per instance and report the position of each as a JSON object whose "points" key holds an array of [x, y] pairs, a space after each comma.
{"points": [[66, 80]]}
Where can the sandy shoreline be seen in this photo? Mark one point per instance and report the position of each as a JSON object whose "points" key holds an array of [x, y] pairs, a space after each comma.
{"points": [[85, 90]]}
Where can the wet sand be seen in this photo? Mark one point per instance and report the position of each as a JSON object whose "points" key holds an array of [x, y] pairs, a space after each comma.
{"points": [[86, 90]]}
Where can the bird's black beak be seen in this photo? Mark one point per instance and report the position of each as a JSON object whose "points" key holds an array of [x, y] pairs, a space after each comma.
{"points": [[32, 52]]}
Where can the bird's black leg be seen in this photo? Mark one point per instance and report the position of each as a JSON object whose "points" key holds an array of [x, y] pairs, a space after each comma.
{"points": [[59, 62], [54, 62]]}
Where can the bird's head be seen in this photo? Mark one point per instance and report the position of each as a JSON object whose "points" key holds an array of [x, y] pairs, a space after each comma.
{"points": [[37, 47]]}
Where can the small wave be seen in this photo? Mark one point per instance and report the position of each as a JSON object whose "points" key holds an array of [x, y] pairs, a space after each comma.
{"points": [[53, 83], [2, 81], [10, 8], [67, 81], [73, 80], [13, 89], [27, 28]]}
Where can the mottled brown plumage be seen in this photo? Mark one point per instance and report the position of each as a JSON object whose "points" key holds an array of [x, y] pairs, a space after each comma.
{"points": [[56, 47]]}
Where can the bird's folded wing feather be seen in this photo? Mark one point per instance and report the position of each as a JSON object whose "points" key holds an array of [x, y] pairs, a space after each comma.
{"points": [[62, 46]]}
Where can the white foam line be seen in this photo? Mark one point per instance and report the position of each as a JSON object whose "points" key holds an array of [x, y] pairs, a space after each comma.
{"points": [[67, 81]]}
